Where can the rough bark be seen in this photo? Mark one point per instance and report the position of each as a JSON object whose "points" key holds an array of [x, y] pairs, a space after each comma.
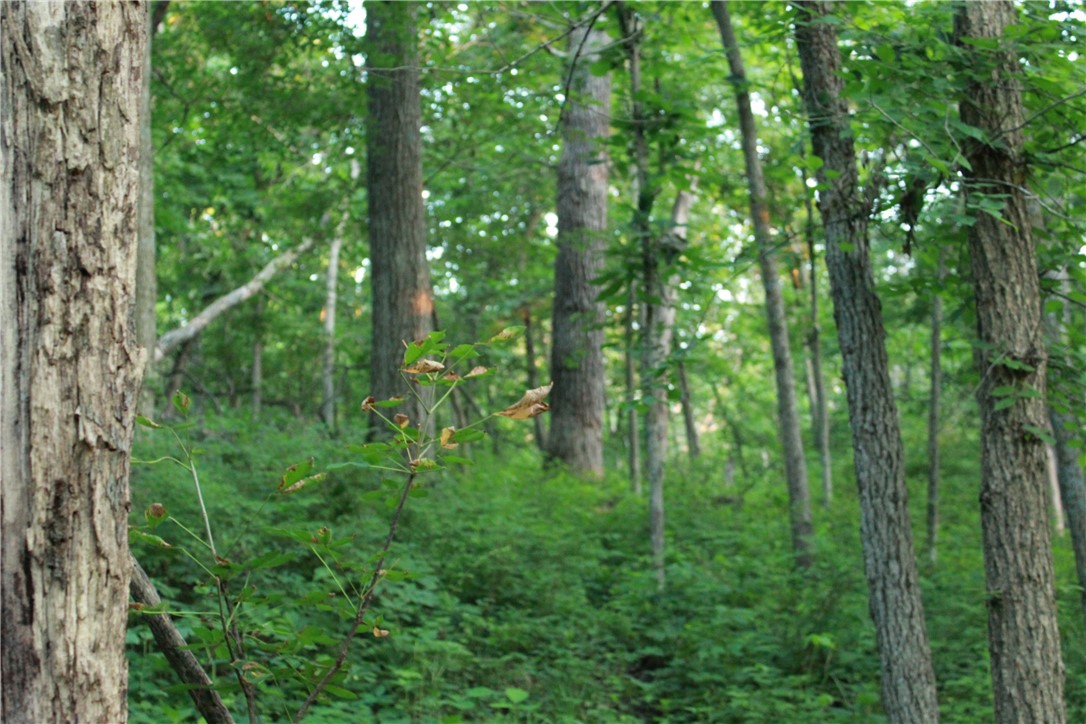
{"points": [[70, 89], [328, 374], [169, 341], [795, 464], [1023, 636], [577, 399], [933, 412], [403, 300], [908, 682], [173, 646]]}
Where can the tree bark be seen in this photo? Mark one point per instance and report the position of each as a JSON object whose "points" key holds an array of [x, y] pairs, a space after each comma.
{"points": [[933, 410], [1023, 635], [168, 342], [633, 429], [146, 280], [403, 299], [795, 464], [577, 399], [70, 96], [908, 682]]}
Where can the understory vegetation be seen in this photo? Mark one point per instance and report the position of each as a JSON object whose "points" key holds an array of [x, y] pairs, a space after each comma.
{"points": [[522, 594]]}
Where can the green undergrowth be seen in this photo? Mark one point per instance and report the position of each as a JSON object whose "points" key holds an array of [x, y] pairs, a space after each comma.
{"points": [[523, 594]]}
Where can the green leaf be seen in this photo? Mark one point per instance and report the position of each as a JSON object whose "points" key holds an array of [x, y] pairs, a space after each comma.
{"points": [[147, 422], [463, 351], [181, 402], [1005, 403], [135, 534], [516, 695]]}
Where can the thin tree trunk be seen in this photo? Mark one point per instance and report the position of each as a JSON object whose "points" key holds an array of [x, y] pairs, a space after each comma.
{"points": [[403, 299], [633, 428], [908, 681], [533, 375], [70, 363], [577, 400], [795, 463], [328, 376], [172, 339], [1052, 472], [820, 406], [256, 377], [1023, 633], [1072, 485], [933, 410], [692, 444]]}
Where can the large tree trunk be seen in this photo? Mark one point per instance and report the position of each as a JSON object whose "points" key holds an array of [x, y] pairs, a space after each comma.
{"points": [[403, 300], [1023, 635], [70, 89], [795, 464], [908, 682], [577, 400]]}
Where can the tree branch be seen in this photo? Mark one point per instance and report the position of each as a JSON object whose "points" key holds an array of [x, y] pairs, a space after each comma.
{"points": [[175, 337], [172, 645]]}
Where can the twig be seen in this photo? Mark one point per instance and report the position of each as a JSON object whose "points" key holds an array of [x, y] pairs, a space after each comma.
{"points": [[363, 607]]}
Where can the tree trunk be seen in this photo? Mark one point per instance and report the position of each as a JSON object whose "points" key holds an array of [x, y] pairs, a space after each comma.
{"points": [[533, 375], [908, 682], [795, 464], [577, 400], [328, 374], [70, 364], [1072, 484], [403, 299], [633, 429], [819, 405], [688, 413], [1023, 635], [256, 375], [933, 410]]}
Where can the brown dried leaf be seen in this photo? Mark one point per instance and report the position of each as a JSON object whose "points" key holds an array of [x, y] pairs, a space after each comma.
{"points": [[530, 405], [424, 366], [446, 438], [401, 419], [476, 371], [368, 404], [380, 632]]}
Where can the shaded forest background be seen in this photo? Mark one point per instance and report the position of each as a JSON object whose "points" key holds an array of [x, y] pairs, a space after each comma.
{"points": [[517, 588]]}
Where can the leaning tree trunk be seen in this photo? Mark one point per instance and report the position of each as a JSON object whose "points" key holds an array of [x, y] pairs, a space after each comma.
{"points": [[403, 300], [795, 464], [1023, 635], [908, 682], [577, 400], [70, 87]]}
